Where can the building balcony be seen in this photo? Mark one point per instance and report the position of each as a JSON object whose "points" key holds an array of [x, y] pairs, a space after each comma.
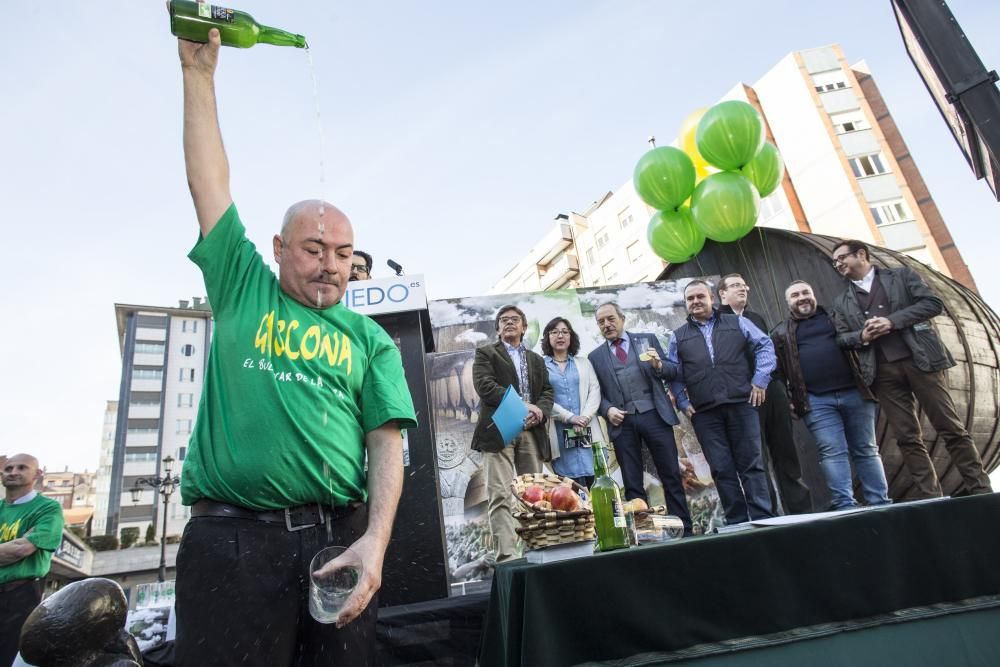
{"points": [[144, 411], [143, 384], [148, 359], [556, 242], [146, 333], [567, 268]]}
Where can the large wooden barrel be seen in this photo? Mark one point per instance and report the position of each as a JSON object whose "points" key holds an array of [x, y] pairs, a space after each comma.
{"points": [[769, 259]]}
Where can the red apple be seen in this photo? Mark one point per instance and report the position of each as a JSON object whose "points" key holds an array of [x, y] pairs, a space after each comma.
{"points": [[533, 494], [565, 499]]}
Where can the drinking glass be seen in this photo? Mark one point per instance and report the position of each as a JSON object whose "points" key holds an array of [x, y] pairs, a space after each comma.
{"points": [[642, 348], [329, 589]]}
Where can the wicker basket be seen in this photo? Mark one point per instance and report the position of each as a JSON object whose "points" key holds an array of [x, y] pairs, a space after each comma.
{"points": [[540, 528]]}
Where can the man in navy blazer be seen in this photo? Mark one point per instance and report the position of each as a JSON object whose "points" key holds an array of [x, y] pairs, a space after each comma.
{"points": [[631, 369]]}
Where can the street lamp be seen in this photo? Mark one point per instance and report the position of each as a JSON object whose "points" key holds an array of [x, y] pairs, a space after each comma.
{"points": [[165, 486]]}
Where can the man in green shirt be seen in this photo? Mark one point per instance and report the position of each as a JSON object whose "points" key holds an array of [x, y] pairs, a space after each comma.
{"points": [[298, 390], [30, 531]]}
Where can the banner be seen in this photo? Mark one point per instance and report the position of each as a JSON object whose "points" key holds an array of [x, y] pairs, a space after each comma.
{"points": [[460, 326]]}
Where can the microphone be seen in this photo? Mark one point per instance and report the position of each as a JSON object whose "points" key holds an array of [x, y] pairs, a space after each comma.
{"points": [[395, 266]]}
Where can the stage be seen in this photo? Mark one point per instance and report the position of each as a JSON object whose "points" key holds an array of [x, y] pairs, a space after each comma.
{"points": [[906, 584]]}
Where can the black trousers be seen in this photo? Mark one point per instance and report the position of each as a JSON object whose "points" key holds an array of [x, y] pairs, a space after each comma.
{"points": [[776, 434], [658, 435], [15, 606], [243, 596]]}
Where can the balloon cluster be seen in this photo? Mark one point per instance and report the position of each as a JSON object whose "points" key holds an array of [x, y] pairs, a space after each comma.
{"points": [[711, 186]]}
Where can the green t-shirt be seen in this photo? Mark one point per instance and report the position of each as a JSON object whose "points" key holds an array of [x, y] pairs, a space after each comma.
{"points": [[289, 392], [45, 516]]}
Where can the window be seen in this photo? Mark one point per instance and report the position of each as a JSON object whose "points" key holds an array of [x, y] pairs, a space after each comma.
{"points": [[147, 347], [849, 121], [140, 457], [183, 426], [609, 271], [891, 211], [189, 325], [143, 373], [185, 400], [181, 453], [634, 252], [771, 206], [603, 238], [625, 218], [590, 255], [187, 350], [868, 165], [824, 82], [186, 375]]}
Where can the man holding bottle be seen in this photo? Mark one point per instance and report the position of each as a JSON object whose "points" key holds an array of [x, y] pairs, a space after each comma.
{"points": [[298, 390]]}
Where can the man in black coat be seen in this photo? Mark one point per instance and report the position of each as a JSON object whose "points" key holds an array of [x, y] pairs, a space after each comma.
{"points": [[497, 366], [885, 315], [775, 415]]}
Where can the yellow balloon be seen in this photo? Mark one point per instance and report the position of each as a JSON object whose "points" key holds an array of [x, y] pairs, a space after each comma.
{"points": [[689, 129]]}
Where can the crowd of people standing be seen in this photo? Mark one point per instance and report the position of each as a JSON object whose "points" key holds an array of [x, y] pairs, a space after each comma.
{"points": [[741, 383]]}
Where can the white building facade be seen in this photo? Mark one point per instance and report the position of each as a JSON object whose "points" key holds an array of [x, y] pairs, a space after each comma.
{"points": [[848, 173], [164, 353]]}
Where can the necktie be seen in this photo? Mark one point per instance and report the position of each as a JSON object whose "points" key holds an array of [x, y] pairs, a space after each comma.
{"points": [[620, 351]]}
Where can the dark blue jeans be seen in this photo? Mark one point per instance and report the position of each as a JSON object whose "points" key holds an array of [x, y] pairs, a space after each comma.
{"points": [[658, 435], [730, 439]]}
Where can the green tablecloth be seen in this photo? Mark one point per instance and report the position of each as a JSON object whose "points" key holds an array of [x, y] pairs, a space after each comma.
{"points": [[757, 587]]}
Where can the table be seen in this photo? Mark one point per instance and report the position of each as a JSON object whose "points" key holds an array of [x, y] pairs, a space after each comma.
{"points": [[759, 588]]}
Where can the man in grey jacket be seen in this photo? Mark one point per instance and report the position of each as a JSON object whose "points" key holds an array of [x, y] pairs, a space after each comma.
{"points": [[885, 316]]}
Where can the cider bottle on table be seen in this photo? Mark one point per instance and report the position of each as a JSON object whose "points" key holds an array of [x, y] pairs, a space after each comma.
{"points": [[609, 515], [192, 19]]}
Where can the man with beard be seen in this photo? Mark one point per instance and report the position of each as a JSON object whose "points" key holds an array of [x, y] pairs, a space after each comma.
{"points": [[830, 396], [885, 316], [775, 416]]}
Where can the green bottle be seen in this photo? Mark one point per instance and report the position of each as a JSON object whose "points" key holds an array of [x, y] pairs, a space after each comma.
{"points": [[192, 20], [609, 515]]}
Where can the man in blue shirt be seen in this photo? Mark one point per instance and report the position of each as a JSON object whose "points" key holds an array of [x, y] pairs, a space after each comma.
{"points": [[724, 366]]}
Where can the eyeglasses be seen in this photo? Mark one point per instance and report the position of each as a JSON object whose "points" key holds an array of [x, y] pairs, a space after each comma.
{"points": [[359, 268], [559, 332], [734, 286], [839, 259], [510, 320]]}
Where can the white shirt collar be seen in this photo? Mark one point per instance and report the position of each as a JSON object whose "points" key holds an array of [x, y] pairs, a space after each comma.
{"points": [[866, 282], [26, 498]]}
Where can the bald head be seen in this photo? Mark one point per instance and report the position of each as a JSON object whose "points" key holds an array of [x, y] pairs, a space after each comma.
{"points": [[312, 209], [313, 253], [19, 475]]}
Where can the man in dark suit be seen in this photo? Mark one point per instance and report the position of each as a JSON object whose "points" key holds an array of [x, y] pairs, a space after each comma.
{"points": [[498, 366], [775, 413], [885, 315], [634, 401]]}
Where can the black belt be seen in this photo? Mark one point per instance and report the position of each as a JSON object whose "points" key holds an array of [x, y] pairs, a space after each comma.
{"points": [[293, 518], [17, 583]]}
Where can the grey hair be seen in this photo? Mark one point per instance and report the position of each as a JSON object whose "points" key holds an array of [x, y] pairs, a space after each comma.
{"points": [[613, 305]]}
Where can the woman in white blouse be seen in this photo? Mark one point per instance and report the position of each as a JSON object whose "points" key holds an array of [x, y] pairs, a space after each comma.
{"points": [[577, 397]]}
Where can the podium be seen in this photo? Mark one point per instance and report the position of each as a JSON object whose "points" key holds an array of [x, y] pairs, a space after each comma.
{"points": [[415, 567]]}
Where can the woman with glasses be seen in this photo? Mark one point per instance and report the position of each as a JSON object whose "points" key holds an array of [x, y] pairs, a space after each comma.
{"points": [[576, 400]]}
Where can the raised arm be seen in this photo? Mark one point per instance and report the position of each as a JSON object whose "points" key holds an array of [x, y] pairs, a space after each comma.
{"points": [[204, 155]]}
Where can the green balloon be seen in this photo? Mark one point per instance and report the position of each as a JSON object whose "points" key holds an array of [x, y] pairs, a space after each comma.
{"points": [[674, 236], [725, 206], [730, 134], [765, 170], [664, 177]]}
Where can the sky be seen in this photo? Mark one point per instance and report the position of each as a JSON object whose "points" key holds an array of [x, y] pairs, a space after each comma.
{"points": [[455, 133]]}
